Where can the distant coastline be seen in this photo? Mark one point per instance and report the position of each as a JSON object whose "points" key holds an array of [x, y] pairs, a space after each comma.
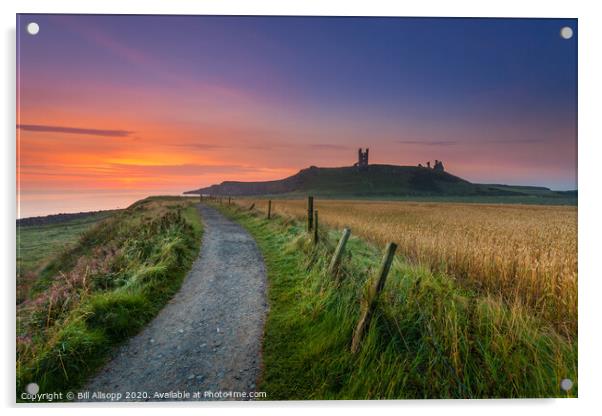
{"points": [[62, 217]]}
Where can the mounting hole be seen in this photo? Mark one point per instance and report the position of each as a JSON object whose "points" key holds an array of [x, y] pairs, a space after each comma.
{"points": [[566, 384], [566, 32], [33, 28], [32, 388]]}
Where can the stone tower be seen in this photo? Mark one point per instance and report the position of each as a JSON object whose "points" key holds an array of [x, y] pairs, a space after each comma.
{"points": [[362, 158]]}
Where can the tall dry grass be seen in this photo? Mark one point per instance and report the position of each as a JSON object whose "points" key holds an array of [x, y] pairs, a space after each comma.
{"points": [[525, 254]]}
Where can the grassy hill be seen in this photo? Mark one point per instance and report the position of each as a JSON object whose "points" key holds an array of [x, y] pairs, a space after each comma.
{"points": [[39, 239], [386, 181]]}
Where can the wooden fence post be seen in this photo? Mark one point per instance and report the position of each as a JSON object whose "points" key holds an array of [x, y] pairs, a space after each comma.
{"points": [[338, 253], [229, 200], [316, 237], [269, 209], [368, 307], [200, 197], [310, 212], [252, 206]]}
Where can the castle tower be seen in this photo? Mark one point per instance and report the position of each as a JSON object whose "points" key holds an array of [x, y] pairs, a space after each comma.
{"points": [[362, 158]]}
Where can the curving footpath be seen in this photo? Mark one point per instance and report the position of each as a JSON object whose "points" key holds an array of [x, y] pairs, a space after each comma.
{"points": [[206, 342]]}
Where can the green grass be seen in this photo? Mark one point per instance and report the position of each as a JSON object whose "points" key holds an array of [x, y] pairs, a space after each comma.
{"points": [[37, 244], [103, 289], [429, 337]]}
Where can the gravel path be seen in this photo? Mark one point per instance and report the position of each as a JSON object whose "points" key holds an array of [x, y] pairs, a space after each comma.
{"points": [[208, 337]]}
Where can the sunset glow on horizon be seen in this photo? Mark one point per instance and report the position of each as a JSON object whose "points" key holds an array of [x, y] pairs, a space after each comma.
{"points": [[135, 105]]}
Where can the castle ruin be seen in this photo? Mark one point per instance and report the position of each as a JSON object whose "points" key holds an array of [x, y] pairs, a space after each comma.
{"points": [[438, 166], [362, 162], [362, 159]]}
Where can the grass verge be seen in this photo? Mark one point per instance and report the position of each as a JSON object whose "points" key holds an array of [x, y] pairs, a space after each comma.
{"points": [[39, 243], [97, 293], [430, 338]]}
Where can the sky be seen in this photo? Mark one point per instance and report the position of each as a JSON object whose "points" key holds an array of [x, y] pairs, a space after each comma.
{"points": [[115, 107]]}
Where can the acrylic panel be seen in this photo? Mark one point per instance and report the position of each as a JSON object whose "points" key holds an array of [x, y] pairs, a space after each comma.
{"points": [[295, 208]]}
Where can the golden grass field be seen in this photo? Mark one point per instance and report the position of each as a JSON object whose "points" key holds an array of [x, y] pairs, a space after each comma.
{"points": [[525, 254]]}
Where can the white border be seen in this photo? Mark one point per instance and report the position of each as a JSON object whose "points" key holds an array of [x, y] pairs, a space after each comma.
{"points": [[590, 207]]}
